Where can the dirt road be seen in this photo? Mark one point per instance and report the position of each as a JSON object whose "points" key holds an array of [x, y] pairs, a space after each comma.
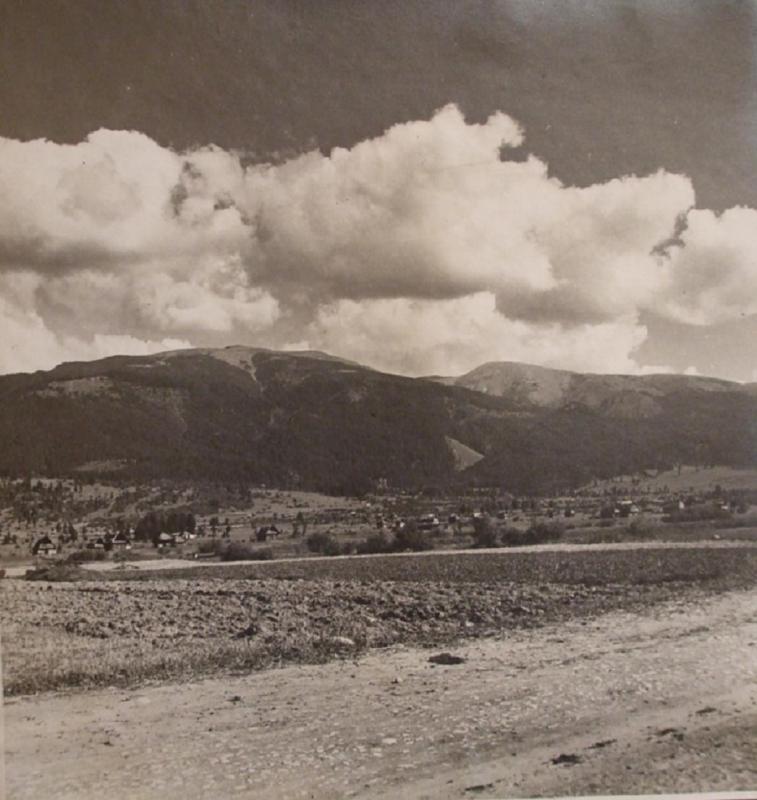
{"points": [[659, 701], [564, 547]]}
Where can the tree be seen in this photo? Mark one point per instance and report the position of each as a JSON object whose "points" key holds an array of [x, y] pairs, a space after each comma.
{"points": [[484, 534], [148, 527]]}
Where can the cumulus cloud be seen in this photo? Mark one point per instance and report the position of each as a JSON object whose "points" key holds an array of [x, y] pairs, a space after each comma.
{"points": [[422, 250], [29, 344], [712, 271], [449, 337]]}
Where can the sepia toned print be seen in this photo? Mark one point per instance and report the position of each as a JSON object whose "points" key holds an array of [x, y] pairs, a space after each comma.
{"points": [[378, 399]]}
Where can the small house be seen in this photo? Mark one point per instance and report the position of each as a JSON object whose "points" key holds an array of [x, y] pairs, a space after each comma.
{"points": [[165, 540], [266, 532], [627, 507], [44, 547], [121, 542], [428, 522]]}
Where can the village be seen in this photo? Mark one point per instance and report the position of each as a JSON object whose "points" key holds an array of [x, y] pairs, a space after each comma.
{"points": [[44, 520]]}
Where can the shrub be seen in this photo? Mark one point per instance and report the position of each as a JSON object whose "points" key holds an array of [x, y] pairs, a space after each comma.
{"points": [[333, 548], [541, 532], [512, 537], [82, 556], [324, 544], [602, 536], [319, 542], [57, 572], [210, 546], [412, 539], [236, 551], [698, 514], [640, 528], [484, 533], [377, 543]]}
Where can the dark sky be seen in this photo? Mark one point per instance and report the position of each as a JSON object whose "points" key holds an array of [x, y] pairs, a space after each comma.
{"points": [[603, 87]]}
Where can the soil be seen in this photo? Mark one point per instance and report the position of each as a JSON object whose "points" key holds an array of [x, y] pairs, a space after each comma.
{"points": [[657, 699], [625, 562]]}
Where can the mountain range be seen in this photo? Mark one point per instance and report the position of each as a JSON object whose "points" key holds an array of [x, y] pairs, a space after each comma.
{"points": [[310, 420]]}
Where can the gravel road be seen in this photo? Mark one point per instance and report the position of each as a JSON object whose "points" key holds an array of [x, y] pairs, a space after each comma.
{"points": [[176, 563], [663, 700]]}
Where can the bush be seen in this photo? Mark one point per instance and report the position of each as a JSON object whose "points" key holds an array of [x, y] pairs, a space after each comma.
{"points": [[412, 539], [378, 543], [82, 556], [333, 548], [319, 542], [698, 514], [602, 536], [484, 533], [236, 551], [640, 528], [324, 544], [541, 532], [57, 572], [512, 537], [210, 547]]}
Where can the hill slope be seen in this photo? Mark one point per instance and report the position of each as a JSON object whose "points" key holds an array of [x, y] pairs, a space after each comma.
{"points": [[315, 421], [622, 396]]}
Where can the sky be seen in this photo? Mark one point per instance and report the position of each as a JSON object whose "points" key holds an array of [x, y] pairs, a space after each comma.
{"points": [[418, 186]]}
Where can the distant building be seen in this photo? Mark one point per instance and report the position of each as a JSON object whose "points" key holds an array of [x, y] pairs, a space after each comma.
{"points": [[266, 532], [44, 547], [673, 507], [627, 507], [428, 522], [165, 540], [121, 542]]}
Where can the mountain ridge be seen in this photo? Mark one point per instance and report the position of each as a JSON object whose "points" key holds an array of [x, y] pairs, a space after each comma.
{"points": [[313, 420]]}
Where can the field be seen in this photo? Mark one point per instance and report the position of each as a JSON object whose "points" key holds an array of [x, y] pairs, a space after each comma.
{"points": [[166, 626], [686, 479]]}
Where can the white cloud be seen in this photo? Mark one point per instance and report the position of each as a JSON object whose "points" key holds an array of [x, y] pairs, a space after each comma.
{"points": [[430, 210], [450, 337], [712, 274], [29, 344], [421, 250]]}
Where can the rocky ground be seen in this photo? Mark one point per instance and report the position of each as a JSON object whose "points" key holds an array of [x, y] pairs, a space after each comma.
{"points": [[99, 630], [657, 698], [86, 634]]}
